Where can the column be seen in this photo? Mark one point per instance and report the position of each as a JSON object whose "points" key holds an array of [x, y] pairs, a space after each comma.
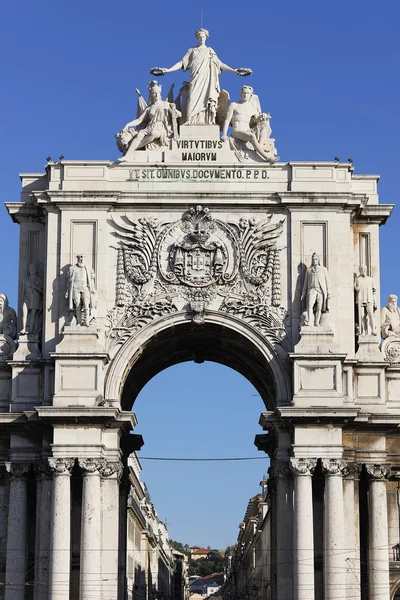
{"points": [[334, 548], [90, 576], [303, 529], [281, 474], [44, 484], [111, 473], [393, 516], [378, 558], [60, 533], [351, 475], [17, 552]]}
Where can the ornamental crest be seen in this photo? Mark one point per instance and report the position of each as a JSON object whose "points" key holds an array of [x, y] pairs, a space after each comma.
{"points": [[196, 263]]}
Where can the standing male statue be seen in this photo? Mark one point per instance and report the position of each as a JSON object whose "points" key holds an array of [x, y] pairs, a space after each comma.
{"points": [[32, 302], [205, 68], [366, 302], [390, 318], [315, 292], [81, 291], [249, 124]]}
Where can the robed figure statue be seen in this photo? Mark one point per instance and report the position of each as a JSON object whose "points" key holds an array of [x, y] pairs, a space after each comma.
{"points": [[205, 69]]}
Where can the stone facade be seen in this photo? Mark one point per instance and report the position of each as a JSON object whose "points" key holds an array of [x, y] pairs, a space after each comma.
{"points": [[198, 248]]}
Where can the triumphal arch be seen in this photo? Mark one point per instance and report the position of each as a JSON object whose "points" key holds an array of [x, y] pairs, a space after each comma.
{"points": [[199, 244]]}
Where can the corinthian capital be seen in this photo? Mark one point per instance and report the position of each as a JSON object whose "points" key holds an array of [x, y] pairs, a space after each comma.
{"points": [[89, 466], [17, 470], [377, 471], [333, 466], [61, 466], [107, 468], [302, 466]]}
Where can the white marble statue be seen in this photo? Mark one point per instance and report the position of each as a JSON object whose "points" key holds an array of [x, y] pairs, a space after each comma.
{"points": [[8, 318], [366, 302], [32, 302], [390, 318], [157, 123], [315, 292], [250, 124], [81, 292], [205, 69]]}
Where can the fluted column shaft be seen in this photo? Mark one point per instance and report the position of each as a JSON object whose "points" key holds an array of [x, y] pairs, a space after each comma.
{"points": [[111, 474], [351, 530], [44, 494], [378, 558], [90, 575], [60, 535], [303, 529], [334, 549], [17, 551], [280, 472]]}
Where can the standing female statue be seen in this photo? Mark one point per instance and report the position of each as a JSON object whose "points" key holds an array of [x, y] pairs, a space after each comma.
{"points": [[205, 68]]}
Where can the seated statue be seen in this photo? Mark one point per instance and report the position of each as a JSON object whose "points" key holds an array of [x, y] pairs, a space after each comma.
{"points": [[8, 318], [250, 125], [390, 318], [157, 123]]}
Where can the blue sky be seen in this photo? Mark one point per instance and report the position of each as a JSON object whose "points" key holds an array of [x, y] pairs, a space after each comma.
{"points": [[329, 75]]}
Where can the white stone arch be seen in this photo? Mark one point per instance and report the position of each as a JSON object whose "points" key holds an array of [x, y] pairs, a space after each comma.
{"points": [[394, 588], [270, 363]]}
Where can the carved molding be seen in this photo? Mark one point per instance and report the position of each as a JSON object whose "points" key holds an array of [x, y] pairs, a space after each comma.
{"points": [[302, 466], [61, 466], [378, 471], [279, 470], [89, 466], [333, 466], [195, 263], [17, 470], [107, 469], [391, 349], [352, 470]]}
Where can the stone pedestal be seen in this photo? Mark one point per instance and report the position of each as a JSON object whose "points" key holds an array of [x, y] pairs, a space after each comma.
{"points": [[315, 340], [16, 553], [28, 348], [303, 529], [378, 559], [368, 349], [334, 554]]}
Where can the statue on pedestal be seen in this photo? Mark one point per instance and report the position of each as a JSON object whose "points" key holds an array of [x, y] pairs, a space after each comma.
{"points": [[250, 124], [32, 302], [81, 293], [390, 318], [205, 69], [157, 123], [315, 292], [366, 302]]}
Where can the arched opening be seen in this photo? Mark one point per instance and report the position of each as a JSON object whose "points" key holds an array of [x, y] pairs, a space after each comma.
{"points": [[211, 354], [225, 340], [397, 595]]}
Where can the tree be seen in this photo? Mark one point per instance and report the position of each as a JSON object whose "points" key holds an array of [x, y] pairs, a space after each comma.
{"points": [[184, 548]]}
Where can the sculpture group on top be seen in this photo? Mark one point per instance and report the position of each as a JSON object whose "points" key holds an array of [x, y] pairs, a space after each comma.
{"points": [[199, 102]]}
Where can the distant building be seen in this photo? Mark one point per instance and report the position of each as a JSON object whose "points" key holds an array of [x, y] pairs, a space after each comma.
{"points": [[152, 563], [249, 566], [196, 552], [206, 586]]}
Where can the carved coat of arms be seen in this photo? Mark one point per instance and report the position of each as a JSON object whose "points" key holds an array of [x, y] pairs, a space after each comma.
{"points": [[197, 262]]}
